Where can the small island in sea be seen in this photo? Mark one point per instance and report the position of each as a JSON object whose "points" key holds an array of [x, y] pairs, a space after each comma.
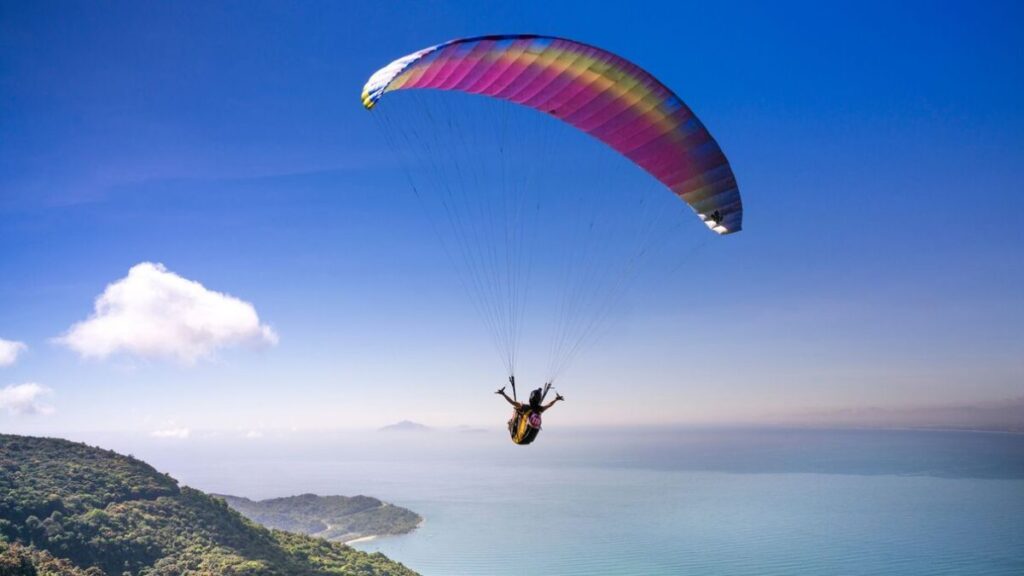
{"points": [[406, 426], [337, 518]]}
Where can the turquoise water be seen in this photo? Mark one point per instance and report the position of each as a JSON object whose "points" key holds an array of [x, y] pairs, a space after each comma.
{"points": [[665, 503], [594, 521]]}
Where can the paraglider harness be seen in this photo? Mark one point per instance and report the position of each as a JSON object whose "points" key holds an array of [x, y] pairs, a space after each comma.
{"points": [[525, 424]]}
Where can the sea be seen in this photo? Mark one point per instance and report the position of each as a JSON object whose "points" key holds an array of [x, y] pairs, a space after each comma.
{"points": [[651, 502]]}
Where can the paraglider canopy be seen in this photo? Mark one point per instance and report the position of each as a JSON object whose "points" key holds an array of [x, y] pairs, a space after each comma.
{"points": [[514, 181], [596, 91]]}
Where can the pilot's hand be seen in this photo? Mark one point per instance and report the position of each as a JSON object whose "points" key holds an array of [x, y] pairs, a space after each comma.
{"points": [[501, 390], [558, 397]]}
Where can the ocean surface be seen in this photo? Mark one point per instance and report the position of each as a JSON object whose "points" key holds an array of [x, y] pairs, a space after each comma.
{"points": [[654, 502]]}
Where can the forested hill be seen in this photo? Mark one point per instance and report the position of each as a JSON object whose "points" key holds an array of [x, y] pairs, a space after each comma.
{"points": [[67, 509], [337, 518]]}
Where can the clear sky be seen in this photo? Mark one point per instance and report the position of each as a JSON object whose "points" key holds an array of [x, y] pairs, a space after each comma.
{"points": [[879, 147]]}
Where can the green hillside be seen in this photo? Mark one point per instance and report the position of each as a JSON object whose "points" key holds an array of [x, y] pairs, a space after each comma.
{"points": [[69, 509], [332, 517]]}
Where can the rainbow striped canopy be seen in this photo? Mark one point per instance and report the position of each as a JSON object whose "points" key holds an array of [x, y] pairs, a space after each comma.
{"points": [[596, 91]]}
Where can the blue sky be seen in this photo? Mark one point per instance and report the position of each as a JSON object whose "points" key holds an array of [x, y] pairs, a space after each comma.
{"points": [[879, 148]]}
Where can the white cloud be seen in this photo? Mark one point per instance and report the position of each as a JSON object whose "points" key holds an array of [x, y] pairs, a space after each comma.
{"points": [[25, 399], [156, 313], [254, 434], [10, 350], [179, 433]]}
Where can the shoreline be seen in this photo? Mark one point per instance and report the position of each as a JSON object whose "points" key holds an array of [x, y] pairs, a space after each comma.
{"points": [[361, 539], [376, 536]]}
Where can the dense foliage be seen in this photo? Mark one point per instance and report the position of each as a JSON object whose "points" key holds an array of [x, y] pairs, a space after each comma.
{"points": [[68, 509], [332, 517]]}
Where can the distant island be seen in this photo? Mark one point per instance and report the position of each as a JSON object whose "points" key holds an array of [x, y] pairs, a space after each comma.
{"points": [[67, 509], [338, 518], [405, 426]]}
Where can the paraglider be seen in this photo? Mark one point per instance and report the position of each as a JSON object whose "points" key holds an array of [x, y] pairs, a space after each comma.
{"points": [[487, 208], [526, 420]]}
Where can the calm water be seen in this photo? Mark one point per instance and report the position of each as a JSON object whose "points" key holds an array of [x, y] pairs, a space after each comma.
{"points": [[659, 503]]}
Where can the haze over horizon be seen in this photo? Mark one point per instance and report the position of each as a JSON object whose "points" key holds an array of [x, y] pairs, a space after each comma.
{"points": [[162, 163]]}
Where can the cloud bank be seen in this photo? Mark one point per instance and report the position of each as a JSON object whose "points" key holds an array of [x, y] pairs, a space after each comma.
{"points": [[9, 351], [178, 433], [155, 313], [25, 399], [1005, 415]]}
